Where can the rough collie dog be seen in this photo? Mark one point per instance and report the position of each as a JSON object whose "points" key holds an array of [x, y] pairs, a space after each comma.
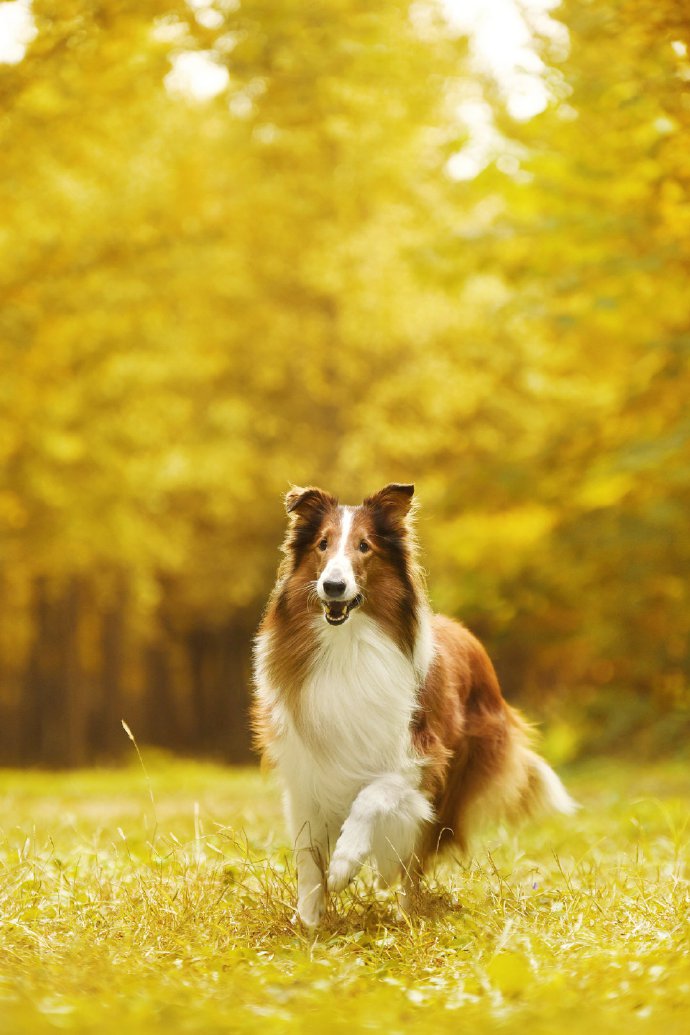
{"points": [[385, 722]]}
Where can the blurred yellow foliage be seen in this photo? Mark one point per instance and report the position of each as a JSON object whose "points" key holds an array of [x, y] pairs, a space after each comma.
{"points": [[206, 297]]}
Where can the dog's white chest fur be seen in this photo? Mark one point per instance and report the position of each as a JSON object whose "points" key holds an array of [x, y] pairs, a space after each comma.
{"points": [[354, 717], [358, 702]]}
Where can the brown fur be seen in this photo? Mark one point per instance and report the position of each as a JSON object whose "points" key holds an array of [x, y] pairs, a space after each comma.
{"points": [[463, 726]]}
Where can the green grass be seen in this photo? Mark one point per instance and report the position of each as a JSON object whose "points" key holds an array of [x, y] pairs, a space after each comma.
{"points": [[118, 914]]}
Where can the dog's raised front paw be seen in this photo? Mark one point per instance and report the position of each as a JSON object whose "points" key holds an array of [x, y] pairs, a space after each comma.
{"points": [[341, 871]]}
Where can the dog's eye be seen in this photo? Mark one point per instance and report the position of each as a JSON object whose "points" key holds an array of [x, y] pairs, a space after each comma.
{"points": [[364, 546], [323, 545]]}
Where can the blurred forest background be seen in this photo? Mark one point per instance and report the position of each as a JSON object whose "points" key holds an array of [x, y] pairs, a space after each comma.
{"points": [[251, 242]]}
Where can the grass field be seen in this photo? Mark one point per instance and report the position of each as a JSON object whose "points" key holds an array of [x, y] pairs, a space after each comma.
{"points": [[120, 913]]}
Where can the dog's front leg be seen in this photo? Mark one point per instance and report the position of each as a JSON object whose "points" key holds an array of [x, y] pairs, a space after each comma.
{"points": [[310, 858], [310, 838], [385, 818]]}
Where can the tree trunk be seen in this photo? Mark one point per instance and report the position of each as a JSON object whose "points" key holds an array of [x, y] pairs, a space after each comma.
{"points": [[69, 678], [55, 705], [234, 697], [33, 702], [107, 730], [160, 712]]}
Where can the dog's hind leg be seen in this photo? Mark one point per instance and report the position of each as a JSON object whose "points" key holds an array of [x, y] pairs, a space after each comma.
{"points": [[384, 820], [410, 890]]}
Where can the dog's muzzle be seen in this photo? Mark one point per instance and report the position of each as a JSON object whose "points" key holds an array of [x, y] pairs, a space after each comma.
{"points": [[337, 612]]}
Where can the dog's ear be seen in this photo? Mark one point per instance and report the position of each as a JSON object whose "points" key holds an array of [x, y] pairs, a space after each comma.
{"points": [[308, 503], [393, 501]]}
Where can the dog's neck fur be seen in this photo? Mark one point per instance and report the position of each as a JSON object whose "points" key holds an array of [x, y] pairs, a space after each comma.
{"points": [[354, 712]]}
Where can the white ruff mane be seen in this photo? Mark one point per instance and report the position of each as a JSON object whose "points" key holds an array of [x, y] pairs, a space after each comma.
{"points": [[355, 712]]}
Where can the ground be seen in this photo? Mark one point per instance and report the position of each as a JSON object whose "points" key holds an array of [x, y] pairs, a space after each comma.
{"points": [[165, 903]]}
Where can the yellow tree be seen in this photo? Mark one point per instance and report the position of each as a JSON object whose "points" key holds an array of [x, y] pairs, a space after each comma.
{"points": [[201, 303], [590, 241]]}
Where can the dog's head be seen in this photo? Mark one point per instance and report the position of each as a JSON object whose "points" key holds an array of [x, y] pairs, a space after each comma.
{"points": [[351, 556]]}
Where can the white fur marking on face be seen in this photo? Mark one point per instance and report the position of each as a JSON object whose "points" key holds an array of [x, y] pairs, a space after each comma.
{"points": [[344, 533], [339, 568]]}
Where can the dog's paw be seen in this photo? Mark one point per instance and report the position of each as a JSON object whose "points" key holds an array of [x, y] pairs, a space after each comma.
{"points": [[310, 907], [342, 870]]}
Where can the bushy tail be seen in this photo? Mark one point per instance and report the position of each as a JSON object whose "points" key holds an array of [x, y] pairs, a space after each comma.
{"points": [[536, 788], [542, 790], [524, 786]]}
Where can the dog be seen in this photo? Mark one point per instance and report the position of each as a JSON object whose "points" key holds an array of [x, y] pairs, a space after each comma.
{"points": [[385, 722]]}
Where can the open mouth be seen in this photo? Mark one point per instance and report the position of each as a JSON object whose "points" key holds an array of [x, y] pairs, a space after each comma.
{"points": [[337, 612]]}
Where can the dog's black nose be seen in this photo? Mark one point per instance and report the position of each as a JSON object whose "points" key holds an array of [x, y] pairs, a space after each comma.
{"points": [[334, 589]]}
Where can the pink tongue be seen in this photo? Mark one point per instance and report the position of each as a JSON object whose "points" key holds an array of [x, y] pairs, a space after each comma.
{"points": [[336, 610]]}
